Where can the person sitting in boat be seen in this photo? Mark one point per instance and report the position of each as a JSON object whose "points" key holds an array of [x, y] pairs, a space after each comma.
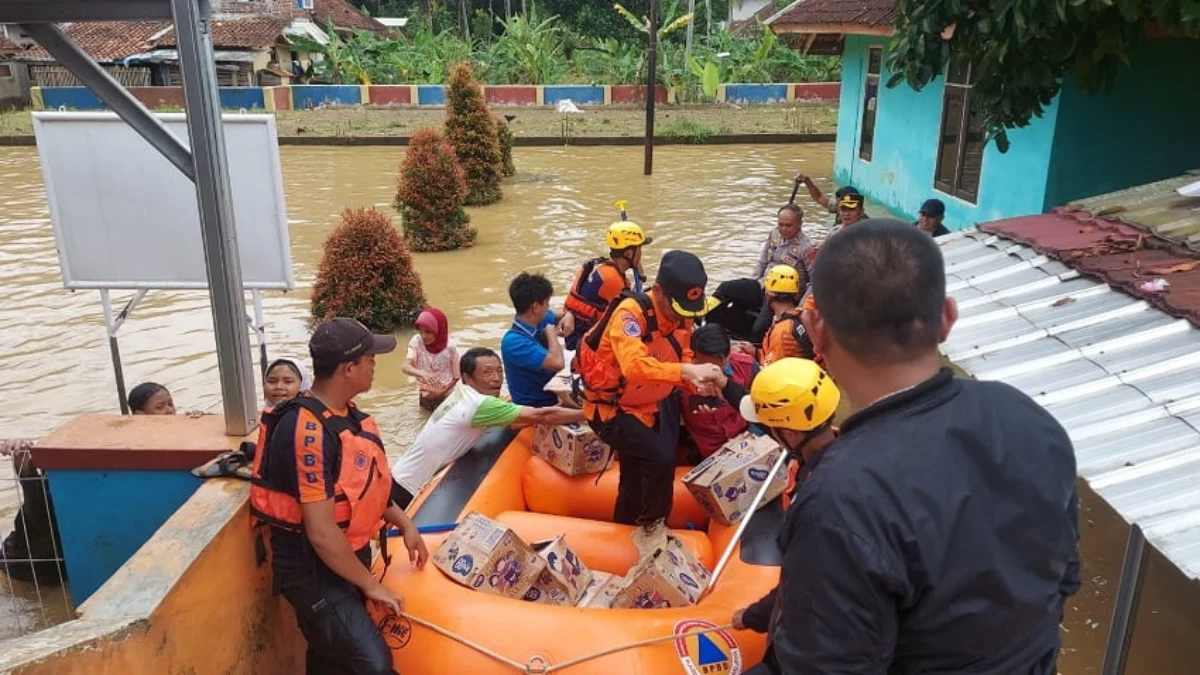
{"points": [[786, 245], [151, 398], [601, 280], [736, 305], [473, 406], [940, 531], [432, 358], [531, 350], [780, 400], [786, 338], [631, 363], [285, 379], [711, 421], [320, 484]]}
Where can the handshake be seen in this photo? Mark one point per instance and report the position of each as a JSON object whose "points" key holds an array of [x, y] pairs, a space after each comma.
{"points": [[706, 378]]}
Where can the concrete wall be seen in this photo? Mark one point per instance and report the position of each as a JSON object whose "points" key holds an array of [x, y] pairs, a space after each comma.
{"points": [[907, 124], [756, 93], [315, 95], [1146, 129], [14, 88]]}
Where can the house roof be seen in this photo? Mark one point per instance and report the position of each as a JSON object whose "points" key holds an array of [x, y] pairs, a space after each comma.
{"points": [[1156, 207], [248, 33], [343, 15], [1057, 306], [873, 17], [104, 40], [7, 46], [750, 24]]}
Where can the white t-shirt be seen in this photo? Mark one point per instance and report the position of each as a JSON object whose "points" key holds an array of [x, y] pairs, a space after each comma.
{"points": [[450, 432]]}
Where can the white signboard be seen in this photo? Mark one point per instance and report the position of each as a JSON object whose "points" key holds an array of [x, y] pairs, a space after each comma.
{"points": [[125, 218]]}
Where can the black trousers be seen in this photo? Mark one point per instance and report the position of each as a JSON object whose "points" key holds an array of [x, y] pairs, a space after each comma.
{"points": [[401, 496], [332, 613], [647, 457]]}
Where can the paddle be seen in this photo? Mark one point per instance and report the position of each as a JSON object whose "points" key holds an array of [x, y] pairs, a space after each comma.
{"points": [[795, 189]]}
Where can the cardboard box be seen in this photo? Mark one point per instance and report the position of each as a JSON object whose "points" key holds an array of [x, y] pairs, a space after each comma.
{"points": [[484, 555], [726, 482], [572, 448], [669, 577], [602, 590], [565, 578]]}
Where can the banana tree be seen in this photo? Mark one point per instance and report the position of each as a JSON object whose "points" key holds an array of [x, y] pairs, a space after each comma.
{"points": [[668, 25]]}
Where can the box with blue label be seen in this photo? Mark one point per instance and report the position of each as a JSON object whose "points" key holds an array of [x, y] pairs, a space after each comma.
{"points": [[565, 579], [572, 448], [668, 575], [484, 555], [725, 483]]}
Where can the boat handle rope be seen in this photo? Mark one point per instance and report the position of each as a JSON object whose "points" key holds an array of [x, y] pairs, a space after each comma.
{"points": [[537, 665]]}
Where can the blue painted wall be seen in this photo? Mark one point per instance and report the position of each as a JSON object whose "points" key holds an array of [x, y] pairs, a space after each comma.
{"points": [[72, 98], [104, 517], [579, 94], [900, 174], [756, 93], [1146, 129], [250, 98], [313, 95], [431, 94]]}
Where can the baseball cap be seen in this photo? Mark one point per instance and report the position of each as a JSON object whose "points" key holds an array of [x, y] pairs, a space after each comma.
{"points": [[682, 276], [851, 199], [933, 208], [344, 339]]}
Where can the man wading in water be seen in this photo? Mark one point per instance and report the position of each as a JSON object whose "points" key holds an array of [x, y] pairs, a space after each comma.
{"points": [[938, 532]]}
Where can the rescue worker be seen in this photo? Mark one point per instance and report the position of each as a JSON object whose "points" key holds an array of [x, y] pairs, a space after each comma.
{"points": [[711, 421], [321, 484], [786, 337], [631, 362], [601, 280], [938, 533], [795, 401]]}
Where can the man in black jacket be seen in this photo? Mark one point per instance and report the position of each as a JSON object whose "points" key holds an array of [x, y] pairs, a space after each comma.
{"points": [[938, 533]]}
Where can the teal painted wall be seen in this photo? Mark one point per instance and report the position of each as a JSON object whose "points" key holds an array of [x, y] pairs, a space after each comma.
{"points": [[1146, 129], [900, 174]]}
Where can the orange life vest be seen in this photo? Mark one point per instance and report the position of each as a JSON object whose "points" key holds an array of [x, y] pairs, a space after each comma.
{"points": [[603, 382], [787, 338], [588, 310], [363, 488]]}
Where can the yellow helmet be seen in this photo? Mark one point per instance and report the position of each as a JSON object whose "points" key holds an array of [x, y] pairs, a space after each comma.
{"points": [[782, 279], [624, 234], [791, 394]]}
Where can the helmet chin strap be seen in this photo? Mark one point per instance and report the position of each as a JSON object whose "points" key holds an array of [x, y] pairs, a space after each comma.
{"points": [[797, 452]]}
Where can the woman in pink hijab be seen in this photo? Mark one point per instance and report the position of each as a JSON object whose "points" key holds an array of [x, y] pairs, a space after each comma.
{"points": [[432, 358]]}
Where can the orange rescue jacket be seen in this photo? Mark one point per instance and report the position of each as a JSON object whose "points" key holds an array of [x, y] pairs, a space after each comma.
{"points": [[363, 488], [786, 339]]}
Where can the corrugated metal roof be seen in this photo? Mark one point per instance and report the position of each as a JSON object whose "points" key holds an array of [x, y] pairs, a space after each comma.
{"points": [[1120, 375], [1157, 207]]}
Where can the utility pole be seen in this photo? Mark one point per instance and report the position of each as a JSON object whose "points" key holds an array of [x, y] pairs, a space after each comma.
{"points": [[651, 88]]}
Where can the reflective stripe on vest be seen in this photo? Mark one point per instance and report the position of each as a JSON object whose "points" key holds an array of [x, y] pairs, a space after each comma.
{"points": [[604, 384], [587, 310], [362, 491]]}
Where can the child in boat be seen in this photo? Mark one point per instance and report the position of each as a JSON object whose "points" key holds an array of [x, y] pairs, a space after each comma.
{"points": [[432, 358], [710, 420], [151, 398], [285, 379]]}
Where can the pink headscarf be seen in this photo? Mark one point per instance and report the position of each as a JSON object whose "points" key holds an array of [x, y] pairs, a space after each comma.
{"points": [[432, 319]]}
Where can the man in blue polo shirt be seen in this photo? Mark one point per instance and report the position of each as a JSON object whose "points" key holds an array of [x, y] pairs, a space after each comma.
{"points": [[530, 349]]}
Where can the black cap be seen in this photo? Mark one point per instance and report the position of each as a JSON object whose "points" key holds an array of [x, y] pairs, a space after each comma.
{"points": [[342, 339], [849, 199], [934, 208], [682, 276]]}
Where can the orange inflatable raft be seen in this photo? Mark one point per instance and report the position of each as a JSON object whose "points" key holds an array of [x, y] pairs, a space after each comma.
{"points": [[454, 629]]}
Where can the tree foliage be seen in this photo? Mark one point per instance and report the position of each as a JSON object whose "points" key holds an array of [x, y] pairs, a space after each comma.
{"points": [[472, 131], [1020, 50], [366, 273], [430, 192], [505, 134]]}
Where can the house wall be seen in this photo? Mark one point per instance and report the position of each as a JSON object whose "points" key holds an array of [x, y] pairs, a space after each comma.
{"points": [[14, 89], [901, 172], [1144, 130]]}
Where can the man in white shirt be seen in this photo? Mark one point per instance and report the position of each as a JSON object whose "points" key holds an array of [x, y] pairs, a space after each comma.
{"points": [[461, 419]]}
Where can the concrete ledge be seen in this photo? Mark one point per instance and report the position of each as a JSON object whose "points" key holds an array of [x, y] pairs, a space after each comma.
{"points": [[140, 442], [578, 94], [510, 94], [391, 94]]}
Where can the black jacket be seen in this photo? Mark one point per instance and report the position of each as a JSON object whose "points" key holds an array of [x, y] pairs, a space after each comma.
{"points": [[936, 535]]}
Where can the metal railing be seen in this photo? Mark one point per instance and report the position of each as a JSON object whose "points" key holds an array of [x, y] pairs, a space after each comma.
{"points": [[33, 584]]}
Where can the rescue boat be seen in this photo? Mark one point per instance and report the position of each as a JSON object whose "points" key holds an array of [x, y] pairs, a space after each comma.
{"points": [[448, 628]]}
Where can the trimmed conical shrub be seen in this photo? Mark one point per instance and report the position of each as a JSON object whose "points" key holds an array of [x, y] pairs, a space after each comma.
{"points": [[366, 273], [472, 131], [505, 134], [430, 192]]}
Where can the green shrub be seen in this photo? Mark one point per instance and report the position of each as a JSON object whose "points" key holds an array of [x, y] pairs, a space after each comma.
{"points": [[430, 192], [505, 134], [366, 273], [472, 131]]}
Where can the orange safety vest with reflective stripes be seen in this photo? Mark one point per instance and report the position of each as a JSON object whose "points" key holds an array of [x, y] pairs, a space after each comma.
{"points": [[362, 491], [786, 339]]}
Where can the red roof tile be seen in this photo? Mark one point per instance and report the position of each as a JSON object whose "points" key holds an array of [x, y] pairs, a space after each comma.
{"points": [[249, 33], [7, 46], [104, 40], [867, 13], [1126, 257], [343, 15]]}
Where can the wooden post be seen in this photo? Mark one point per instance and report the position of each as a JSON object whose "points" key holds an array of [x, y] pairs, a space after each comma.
{"points": [[651, 88]]}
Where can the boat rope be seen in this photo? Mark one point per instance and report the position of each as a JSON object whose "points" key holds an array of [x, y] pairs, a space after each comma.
{"points": [[537, 665]]}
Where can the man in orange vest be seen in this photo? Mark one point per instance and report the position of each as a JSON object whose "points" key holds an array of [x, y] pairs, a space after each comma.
{"points": [[631, 363], [321, 482], [786, 337], [601, 280]]}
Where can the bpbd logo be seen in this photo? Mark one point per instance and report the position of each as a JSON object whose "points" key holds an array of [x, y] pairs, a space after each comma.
{"points": [[705, 650]]}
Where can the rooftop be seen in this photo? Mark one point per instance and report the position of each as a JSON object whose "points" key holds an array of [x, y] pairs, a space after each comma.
{"points": [[250, 33], [1096, 319], [835, 16], [105, 40]]}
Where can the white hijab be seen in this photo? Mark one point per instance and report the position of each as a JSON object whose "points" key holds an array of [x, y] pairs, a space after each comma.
{"points": [[305, 379]]}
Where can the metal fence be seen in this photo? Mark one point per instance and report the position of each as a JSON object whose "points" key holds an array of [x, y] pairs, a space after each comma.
{"points": [[33, 585]]}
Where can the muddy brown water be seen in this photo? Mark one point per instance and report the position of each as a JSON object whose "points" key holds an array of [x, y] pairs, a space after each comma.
{"points": [[716, 201]]}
